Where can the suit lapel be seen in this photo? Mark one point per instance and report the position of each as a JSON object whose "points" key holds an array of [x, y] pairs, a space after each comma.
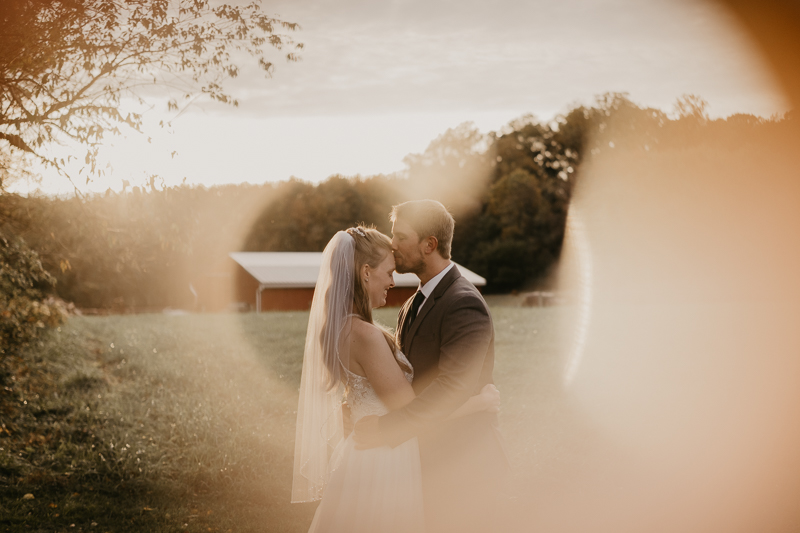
{"points": [[448, 279]]}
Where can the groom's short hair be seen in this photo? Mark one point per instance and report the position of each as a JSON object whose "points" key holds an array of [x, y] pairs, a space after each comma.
{"points": [[427, 218]]}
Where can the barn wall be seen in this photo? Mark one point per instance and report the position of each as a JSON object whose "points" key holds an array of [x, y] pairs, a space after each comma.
{"points": [[398, 295], [213, 293], [232, 287], [246, 286], [215, 287], [285, 299], [300, 299], [229, 286]]}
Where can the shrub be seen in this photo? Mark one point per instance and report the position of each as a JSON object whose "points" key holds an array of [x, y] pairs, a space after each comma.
{"points": [[24, 306]]}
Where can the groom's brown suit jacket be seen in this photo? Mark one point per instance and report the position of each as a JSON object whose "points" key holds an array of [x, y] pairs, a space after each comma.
{"points": [[450, 344]]}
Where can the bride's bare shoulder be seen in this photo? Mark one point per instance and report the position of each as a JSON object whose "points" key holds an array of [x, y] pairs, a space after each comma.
{"points": [[367, 347], [363, 331], [367, 338]]}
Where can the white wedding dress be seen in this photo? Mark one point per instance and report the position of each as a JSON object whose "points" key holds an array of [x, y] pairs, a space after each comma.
{"points": [[371, 491]]}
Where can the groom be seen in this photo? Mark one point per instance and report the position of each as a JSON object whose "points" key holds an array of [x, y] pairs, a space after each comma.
{"points": [[446, 332]]}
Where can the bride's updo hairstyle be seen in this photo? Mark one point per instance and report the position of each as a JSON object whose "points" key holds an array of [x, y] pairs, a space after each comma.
{"points": [[372, 247]]}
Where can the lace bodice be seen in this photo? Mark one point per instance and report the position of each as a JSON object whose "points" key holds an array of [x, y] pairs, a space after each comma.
{"points": [[362, 398]]}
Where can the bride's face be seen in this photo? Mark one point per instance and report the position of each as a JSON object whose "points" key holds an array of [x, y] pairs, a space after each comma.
{"points": [[380, 280]]}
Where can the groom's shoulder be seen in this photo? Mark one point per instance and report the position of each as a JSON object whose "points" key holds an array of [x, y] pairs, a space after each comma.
{"points": [[463, 286], [463, 292]]}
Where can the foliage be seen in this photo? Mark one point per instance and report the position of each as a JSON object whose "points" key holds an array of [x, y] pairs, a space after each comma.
{"points": [[514, 238], [304, 217], [509, 192], [67, 65], [525, 207], [139, 249], [453, 168], [23, 286]]}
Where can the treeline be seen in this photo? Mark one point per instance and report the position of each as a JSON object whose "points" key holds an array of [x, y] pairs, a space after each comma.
{"points": [[509, 191]]}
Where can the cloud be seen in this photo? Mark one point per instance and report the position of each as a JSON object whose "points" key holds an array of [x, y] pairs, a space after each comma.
{"points": [[366, 57], [380, 79]]}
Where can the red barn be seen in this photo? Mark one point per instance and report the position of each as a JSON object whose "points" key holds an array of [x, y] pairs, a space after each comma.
{"points": [[267, 281]]}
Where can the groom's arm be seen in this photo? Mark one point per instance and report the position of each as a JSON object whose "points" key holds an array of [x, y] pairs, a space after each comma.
{"points": [[465, 336]]}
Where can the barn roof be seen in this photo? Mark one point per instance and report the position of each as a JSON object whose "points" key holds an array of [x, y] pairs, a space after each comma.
{"points": [[295, 270]]}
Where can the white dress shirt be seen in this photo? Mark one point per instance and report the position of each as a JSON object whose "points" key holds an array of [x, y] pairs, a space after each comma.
{"points": [[427, 289]]}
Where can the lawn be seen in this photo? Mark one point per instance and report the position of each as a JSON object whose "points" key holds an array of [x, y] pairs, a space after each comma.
{"points": [[186, 423]]}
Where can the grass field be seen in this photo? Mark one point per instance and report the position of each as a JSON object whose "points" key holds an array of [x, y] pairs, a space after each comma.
{"points": [[186, 423]]}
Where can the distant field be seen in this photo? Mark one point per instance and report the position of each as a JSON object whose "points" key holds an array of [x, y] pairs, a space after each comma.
{"points": [[186, 423]]}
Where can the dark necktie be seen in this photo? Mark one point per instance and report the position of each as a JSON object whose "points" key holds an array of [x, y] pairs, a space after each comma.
{"points": [[418, 299]]}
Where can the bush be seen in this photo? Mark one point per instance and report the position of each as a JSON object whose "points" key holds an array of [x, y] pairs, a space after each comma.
{"points": [[24, 306]]}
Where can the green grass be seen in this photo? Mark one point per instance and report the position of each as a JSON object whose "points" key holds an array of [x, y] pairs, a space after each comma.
{"points": [[186, 423]]}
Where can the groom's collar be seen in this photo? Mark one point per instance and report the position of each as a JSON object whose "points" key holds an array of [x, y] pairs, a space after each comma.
{"points": [[437, 285], [428, 288]]}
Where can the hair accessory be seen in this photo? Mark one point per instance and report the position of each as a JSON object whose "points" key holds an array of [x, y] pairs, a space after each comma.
{"points": [[357, 230]]}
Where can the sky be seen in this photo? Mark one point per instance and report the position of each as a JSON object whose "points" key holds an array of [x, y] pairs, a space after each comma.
{"points": [[380, 79]]}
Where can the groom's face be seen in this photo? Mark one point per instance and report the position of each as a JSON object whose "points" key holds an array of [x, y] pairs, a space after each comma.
{"points": [[407, 248]]}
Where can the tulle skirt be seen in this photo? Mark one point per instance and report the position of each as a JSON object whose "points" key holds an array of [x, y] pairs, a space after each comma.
{"points": [[371, 491]]}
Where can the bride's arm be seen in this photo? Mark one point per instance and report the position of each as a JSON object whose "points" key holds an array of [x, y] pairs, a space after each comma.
{"points": [[371, 352]]}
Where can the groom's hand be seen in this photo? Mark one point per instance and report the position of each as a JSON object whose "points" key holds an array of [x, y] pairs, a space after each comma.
{"points": [[367, 433]]}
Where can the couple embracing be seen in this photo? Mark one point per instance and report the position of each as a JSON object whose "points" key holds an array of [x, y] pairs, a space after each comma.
{"points": [[426, 454]]}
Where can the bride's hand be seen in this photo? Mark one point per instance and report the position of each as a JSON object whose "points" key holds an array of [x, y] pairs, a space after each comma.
{"points": [[490, 398]]}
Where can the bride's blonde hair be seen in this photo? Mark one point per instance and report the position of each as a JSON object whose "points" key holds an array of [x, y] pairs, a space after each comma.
{"points": [[372, 247]]}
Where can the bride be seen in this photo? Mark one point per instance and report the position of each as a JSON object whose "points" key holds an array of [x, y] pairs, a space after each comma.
{"points": [[349, 357]]}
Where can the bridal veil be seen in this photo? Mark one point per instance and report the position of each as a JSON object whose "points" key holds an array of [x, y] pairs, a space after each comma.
{"points": [[319, 412]]}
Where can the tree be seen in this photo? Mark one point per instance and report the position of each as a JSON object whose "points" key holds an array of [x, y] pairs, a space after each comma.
{"points": [[303, 217], [515, 202], [515, 232], [67, 65], [691, 105], [454, 169]]}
